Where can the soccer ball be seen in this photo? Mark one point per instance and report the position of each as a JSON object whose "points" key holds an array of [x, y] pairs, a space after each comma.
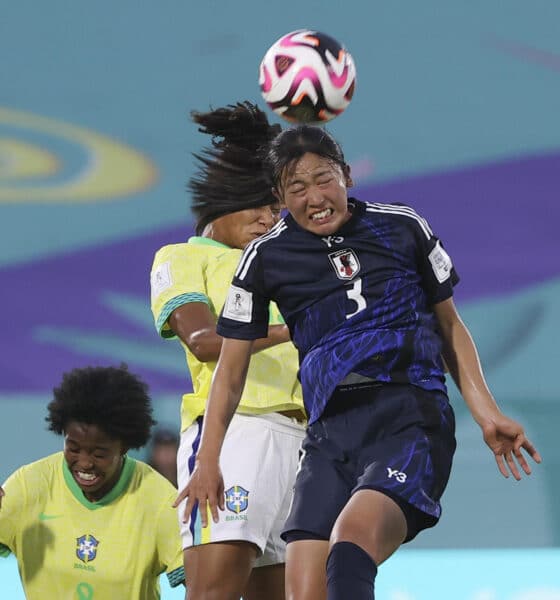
{"points": [[307, 77]]}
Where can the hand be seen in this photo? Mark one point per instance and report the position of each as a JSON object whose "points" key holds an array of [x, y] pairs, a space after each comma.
{"points": [[205, 490], [506, 438]]}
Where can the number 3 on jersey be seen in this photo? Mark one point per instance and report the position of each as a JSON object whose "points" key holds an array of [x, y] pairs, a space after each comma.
{"points": [[354, 292]]}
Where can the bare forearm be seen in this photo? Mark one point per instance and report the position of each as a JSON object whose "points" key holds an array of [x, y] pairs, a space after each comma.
{"points": [[206, 344], [462, 359], [225, 394], [220, 409], [277, 334], [503, 435]]}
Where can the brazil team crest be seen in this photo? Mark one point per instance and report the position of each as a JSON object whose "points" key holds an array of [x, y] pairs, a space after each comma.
{"points": [[86, 547], [237, 499], [345, 263]]}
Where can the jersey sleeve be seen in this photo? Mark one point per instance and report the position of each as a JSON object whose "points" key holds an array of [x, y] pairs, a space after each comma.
{"points": [[177, 278], [13, 503], [169, 542], [435, 265], [245, 314]]}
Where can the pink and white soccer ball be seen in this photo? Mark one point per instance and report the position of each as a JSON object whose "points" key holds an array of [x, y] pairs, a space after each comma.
{"points": [[307, 77]]}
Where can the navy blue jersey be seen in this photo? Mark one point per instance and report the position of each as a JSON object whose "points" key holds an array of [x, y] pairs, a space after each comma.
{"points": [[358, 301]]}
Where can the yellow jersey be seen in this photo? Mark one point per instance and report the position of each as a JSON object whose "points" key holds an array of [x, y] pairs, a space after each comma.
{"points": [[201, 270], [69, 548]]}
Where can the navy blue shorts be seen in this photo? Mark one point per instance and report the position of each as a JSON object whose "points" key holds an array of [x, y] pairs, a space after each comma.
{"points": [[397, 439]]}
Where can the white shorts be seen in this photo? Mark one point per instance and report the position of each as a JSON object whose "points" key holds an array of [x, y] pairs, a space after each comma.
{"points": [[258, 461]]}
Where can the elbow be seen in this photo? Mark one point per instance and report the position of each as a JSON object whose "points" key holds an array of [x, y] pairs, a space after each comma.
{"points": [[203, 353], [203, 348]]}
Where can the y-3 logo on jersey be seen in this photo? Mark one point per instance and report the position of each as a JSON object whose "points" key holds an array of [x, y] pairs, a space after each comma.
{"points": [[332, 239], [398, 475]]}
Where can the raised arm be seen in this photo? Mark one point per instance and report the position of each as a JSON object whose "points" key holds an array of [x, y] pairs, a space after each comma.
{"points": [[206, 484], [195, 324], [504, 436]]}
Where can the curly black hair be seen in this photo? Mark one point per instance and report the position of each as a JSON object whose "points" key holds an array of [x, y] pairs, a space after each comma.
{"points": [[112, 398], [231, 175]]}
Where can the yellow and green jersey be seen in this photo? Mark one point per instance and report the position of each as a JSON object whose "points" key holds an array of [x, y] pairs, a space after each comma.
{"points": [[201, 271], [69, 548]]}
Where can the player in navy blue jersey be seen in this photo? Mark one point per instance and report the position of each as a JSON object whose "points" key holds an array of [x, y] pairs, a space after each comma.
{"points": [[367, 292]]}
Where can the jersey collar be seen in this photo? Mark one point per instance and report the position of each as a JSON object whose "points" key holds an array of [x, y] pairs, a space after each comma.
{"points": [[204, 241], [357, 208], [119, 488]]}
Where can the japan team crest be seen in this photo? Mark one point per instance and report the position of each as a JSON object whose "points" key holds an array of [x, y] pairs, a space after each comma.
{"points": [[86, 547], [237, 499], [345, 263]]}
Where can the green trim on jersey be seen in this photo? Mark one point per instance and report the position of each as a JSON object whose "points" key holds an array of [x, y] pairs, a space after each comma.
{"points": [[202, 241], [119, 488], [174, 303], [176, 577], [199, 269], [4, 551]]}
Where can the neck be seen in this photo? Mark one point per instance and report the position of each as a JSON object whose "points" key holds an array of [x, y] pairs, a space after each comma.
{"points": [[105, 489]]}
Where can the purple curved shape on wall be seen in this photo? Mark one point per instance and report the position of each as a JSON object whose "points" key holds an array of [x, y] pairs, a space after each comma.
{"points": [[498, 221]]}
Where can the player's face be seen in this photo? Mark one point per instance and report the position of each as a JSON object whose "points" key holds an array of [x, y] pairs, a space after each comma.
{"points": [[239, 228], [94, 459], [315, 193]]}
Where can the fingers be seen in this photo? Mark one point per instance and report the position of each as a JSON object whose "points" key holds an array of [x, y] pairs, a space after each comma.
{"points": [[207, 507], [213, 509], [501, 465], [190, 505], [522, 461], [532, 451], [512, 458], [206, 504], [513, 466], [182, 495], [221, 496]]}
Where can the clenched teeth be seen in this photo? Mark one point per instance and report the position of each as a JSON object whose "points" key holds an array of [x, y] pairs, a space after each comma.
{"points": [[323, 214]]}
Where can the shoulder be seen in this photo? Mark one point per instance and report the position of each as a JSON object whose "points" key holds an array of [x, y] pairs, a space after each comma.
{"points": [[175, 264], [175, 251], [269, 240], [33, 480], [156, 489], [254, 252], [274, 236], [402, 213], [46, 467]]}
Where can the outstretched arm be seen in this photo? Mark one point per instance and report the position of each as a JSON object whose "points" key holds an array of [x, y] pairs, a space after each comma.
{"points": [[206, 484], [504, 436]]}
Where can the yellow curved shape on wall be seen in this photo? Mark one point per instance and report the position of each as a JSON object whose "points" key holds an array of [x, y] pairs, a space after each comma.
{"points": [[21, 160], [112, 169]]}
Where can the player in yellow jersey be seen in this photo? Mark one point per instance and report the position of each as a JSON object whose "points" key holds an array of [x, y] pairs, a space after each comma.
{"points": [[91, 522], [243, 554]]}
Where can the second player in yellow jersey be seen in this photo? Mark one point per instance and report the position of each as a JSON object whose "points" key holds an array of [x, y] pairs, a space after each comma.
{"points": [[201, 271], [242, 554], [91, 522]]}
